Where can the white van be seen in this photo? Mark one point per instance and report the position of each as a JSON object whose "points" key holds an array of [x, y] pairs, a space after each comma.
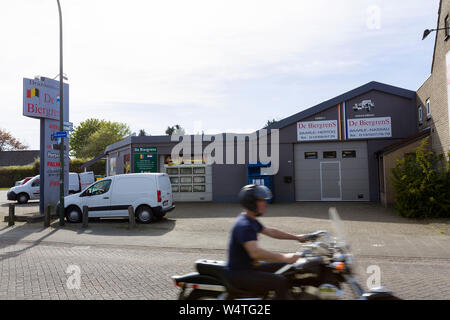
{"points": [[79, 181], [150, 194], [30, 190]]}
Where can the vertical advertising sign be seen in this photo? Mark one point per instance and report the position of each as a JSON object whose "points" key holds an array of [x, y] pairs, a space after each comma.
{"points": [[447, 59], [41, 101], [145, 160]]}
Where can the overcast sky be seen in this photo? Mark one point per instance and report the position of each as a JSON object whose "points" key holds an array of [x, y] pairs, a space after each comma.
{"points": [[220, 66]]}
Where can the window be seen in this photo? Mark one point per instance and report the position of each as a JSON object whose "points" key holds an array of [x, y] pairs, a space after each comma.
{"points": [[428, 110], [185, 170], [185, 179], [187, 188], [349, 154], [199, 188], [447, 27], [419, 110], [199, 179], [329, 154], [100, 187], [172, 171], [35, 183], [310, 155], [200, 170]]}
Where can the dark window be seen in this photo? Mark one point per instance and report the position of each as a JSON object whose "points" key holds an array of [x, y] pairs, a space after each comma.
{"points": [[171, 171], [329, 154], [185, 170], [200, 170], [199, 188], [349, 154], [310, 155], [419, 111], [447, 26], [36, 183], [187, 188]]}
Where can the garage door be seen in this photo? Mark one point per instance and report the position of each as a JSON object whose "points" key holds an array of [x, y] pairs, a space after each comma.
{"points": [[331, 171]]}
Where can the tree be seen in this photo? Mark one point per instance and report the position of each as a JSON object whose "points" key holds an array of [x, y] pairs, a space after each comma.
{"points": [[82, 134], [270, 122], [92, 136], [422, 184], [8, 142], [142, 133], [176, 129]]}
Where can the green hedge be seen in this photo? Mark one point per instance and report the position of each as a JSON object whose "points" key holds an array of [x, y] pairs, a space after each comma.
{"points": [[9, 175], [422, 184]]}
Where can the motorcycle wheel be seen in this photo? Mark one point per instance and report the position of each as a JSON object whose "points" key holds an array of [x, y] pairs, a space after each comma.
{"points": [[202, 295]]}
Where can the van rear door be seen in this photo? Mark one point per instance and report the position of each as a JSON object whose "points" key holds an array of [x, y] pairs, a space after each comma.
{"points": [[165, 188], [86, 179]]}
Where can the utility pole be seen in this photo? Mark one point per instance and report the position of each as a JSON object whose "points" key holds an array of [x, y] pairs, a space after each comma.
{"points": [[61, 121]]}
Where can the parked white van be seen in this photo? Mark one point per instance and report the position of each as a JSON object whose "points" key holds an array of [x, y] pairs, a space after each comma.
{"points": [[30, 190], [150, 194]]}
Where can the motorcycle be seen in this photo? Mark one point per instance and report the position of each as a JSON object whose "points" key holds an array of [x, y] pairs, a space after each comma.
{"points": [[323, 267]]}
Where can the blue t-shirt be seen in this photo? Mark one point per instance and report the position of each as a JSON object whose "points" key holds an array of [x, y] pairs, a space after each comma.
{"points": [[245, 229]]}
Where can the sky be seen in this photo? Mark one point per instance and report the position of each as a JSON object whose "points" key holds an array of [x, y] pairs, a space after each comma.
{"points": [[208, 65]]}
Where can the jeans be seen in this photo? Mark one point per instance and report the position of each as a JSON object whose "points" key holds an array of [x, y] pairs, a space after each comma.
{"points": [[261, 279]]}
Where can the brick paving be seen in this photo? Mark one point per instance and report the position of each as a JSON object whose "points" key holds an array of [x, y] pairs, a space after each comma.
{"points": [[117, 263], [30, 271]]}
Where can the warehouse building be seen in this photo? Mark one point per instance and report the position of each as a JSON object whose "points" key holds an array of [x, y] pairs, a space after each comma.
{"points": [[326, 153]]}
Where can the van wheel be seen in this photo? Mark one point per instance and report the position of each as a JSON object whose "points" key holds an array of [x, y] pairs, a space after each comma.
{"points": [[23, 198], [145, 214], [73, 214]]}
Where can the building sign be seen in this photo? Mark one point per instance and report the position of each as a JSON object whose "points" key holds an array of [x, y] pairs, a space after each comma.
{"points": [[317, 130], [447, 57], [369, 128], [145, 160], [41, 98], [41, 101]]}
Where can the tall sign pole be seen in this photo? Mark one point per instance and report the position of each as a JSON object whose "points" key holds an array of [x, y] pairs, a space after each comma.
{"points": [[61, 121]]}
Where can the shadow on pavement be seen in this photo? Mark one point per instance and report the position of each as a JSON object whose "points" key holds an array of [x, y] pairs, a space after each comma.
{"points": [[351, 211]]}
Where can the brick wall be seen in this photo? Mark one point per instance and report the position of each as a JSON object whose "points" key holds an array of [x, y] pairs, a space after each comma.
{"points": [[435, 89]]}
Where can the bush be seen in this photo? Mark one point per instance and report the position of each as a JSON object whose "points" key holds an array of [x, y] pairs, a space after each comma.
{"points": [[422, 184], [9, 175]]}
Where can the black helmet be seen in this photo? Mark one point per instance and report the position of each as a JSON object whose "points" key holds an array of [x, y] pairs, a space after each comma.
{"points": [[252, 192]]}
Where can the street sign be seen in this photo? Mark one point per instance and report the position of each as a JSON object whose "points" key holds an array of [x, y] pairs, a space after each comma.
{"points": [[60, 134], [68, 126]]}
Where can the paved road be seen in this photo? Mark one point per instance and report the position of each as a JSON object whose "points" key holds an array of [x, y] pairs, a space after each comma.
{"points": [[117, 263], [39, 272]]}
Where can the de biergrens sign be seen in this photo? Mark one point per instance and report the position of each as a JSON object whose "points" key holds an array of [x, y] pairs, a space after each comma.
{"points": [[317, 130], [369, 128], [41, 101]]}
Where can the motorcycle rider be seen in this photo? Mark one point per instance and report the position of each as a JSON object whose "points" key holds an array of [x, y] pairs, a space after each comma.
{"points": [[252, 268]]}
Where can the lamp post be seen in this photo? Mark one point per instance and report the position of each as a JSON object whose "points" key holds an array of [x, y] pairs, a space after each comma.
{"points": [[428, 31], [61, 121]]}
